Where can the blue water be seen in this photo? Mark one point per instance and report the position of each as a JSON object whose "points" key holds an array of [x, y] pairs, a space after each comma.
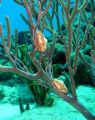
{"points": [[11, 9]]}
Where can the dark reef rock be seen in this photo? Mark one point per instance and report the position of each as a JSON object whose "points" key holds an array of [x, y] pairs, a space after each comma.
{"points": [[57, 70], [1, 93], [24, 37], [59, 56], [83, 75], [88, 8], [5, 76]]}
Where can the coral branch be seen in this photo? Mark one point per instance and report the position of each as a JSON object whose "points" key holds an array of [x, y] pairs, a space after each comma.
{"points": [[29, 14], [8, 33]]}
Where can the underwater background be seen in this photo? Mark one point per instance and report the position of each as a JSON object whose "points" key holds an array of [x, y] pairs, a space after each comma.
{"points": [[21, 96], [11, 9]]}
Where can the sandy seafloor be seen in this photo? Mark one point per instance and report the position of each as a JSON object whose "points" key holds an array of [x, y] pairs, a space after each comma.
{"points": [[59, 111]]}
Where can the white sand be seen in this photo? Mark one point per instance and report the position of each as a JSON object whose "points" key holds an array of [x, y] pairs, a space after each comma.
{"points": [[60, 111]]}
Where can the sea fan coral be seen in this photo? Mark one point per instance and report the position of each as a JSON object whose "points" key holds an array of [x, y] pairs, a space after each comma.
{"points": [[40, 42], [59, 84]]}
